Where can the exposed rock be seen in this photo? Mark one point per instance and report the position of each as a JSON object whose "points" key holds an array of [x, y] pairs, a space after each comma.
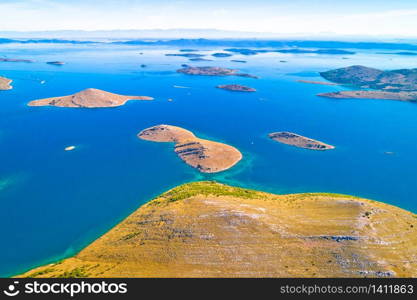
{"points": [[204, 155], [5, 84], [89, 98], [207, 229]]}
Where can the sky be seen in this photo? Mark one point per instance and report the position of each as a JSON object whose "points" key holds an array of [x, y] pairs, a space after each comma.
{"points": [[396, 18]]}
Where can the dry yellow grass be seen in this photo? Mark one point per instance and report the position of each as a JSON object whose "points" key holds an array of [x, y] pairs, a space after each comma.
{"points": [[206, 229]]}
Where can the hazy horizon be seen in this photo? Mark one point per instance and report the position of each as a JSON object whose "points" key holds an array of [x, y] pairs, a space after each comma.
{"points": [[265, 18]]}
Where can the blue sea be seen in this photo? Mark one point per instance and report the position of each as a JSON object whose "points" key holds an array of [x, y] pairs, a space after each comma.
{"points": [[55, 202]]}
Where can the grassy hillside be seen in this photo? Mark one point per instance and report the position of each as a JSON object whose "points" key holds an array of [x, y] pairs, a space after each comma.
{"points": [[207, 229]]}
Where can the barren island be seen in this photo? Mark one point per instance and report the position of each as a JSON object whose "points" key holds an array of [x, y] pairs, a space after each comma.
{"points": [[89, 98], [5, 84], [204, 155], [300, 141]]}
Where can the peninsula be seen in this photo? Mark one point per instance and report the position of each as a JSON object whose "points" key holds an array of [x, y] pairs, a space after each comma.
{"points": [[204, 155], [89, 98], [213, 71], [5, 84], [300, 141], [208, 229], [236, 88]]}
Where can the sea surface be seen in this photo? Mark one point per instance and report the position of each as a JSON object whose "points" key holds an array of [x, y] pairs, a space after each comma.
{"points": [[55, 202]]}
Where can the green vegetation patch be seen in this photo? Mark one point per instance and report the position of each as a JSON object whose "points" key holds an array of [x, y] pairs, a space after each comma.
{"points": [[204, 188], [75, 273]]}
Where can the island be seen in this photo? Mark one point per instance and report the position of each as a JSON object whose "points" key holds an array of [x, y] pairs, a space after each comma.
{"points": [[200, 59], [56, 63], [213, 71], [88, 98], [365, 77], [221, 54], [5, 84], [15, 60], [188, 50], [243, 51], [238, 61], [236, 88], [185, 54], [299, 141], [377, 84], [204, 155], [400, 96], [316, 82], [208, 229]]}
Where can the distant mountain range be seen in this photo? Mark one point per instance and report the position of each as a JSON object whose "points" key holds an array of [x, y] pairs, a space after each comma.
{"points": [[256, 43]]}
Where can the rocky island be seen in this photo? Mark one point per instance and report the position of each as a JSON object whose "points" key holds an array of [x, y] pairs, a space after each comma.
{"points": [[56, 63], [300, 141], [15, 60], [208, 229], [204, 155], [392, 85], [213, 71], [221, 54], [200, 59], [5, 84], [236, 88], [89, 98], [193, 55]]}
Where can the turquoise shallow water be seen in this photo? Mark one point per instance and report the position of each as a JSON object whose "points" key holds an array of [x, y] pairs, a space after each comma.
{"points": [[53, 203]]}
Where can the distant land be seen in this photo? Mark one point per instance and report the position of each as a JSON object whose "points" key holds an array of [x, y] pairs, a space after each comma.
{"points": [[190, 55], [299, 141], [5, 84], [221, 54], [56, 63], [286, 45], [15, 60], [208, 229], [89, 98], [213, 71], [204, 155]]}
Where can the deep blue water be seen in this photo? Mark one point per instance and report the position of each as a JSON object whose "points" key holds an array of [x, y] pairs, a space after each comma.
{"points": [[53, 202]]}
